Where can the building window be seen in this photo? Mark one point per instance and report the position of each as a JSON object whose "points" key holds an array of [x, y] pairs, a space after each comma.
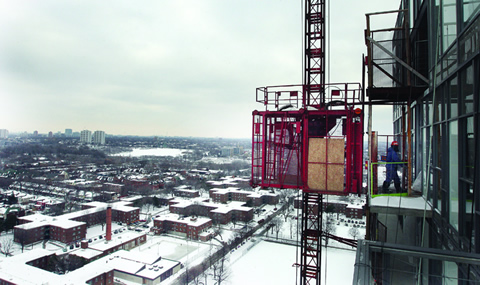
{"points": [[467, 156], [453, 175], [466, 84], [453, 94], [470, 8], [449, 22]]}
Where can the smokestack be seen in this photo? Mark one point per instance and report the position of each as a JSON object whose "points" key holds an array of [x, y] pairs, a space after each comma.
{"points": [[108, 235]]}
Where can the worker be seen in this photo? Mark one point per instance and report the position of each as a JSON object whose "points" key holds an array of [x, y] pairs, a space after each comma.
{"points": [[392, 156]]}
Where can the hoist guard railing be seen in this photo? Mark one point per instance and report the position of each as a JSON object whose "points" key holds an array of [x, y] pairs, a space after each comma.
{"points": [[337, 94]]}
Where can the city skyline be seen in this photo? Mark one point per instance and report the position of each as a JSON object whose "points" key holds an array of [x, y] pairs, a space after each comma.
{"points": [[164, 68]]}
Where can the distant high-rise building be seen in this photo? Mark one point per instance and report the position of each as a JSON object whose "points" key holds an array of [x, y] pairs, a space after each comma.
{"points": [[3, 133], [99, 137], [35, 133], [50, 134], [85, 136], [68, 133]]}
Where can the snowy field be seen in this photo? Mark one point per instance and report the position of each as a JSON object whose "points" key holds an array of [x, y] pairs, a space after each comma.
{"points": [[255, 262], [273, 263], [137, 152]]}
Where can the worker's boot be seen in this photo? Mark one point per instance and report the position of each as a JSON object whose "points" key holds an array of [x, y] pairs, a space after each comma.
{"points": [[398, 188], [385, 187]]}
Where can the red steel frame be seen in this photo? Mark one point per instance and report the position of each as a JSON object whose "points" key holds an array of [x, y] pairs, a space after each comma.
{"points": [[281, 137]]}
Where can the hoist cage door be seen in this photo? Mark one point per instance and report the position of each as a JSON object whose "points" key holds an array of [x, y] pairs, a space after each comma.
{"points": [[277, 149]]}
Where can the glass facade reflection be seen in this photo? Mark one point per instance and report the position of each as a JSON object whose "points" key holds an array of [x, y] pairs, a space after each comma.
{"points": [[445, 149]]}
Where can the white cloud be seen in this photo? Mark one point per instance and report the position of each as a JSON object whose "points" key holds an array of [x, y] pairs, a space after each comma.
{"points": [[158, 67]]}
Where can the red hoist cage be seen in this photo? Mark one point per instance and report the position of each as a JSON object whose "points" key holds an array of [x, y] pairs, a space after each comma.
{"points": [[310, 137]]}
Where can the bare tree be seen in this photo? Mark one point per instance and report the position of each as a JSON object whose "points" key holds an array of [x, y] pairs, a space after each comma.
{"points": [[285, 212], [62, 264], [286, 195], [217, 230], [196, 274], [204, 274], [21, 236], [293, 228], [354, 232], [221, 271], [329, 227], [277, 225], [6, 245]]}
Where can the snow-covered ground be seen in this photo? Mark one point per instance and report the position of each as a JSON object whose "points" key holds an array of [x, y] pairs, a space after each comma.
{"points": [[223, 160], [274, 263], [137, 152], [254, 262]]}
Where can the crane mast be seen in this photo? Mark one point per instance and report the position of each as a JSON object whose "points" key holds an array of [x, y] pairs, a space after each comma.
{"points": [[314, 54], [310, 138]]}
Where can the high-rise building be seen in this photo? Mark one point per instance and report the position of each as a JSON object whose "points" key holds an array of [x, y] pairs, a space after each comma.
{"points": [[86, 136], [99, 137], [68, 133], [427, 67], [3, 133]]}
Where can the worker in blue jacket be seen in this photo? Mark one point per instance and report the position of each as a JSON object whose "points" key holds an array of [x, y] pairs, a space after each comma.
{"points": [[392, 156]]}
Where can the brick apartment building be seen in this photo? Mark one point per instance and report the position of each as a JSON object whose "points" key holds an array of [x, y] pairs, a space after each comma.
{"points": [[35, 228], [31, 268], [114, 187], [224, 215], [354, 211], [186, 193], [219, 213], [187, 227], [224, 195], [71, 227], [342, 207]]}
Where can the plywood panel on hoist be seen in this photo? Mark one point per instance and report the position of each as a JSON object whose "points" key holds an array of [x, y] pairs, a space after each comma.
{"points": [[326, 164]]}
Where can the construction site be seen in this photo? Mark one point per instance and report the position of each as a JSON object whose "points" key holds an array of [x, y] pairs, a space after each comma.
{"points": [[345, 200], [310, 137]]}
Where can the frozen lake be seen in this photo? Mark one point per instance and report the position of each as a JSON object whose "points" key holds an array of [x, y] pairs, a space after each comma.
{"points": [[137, 152]]}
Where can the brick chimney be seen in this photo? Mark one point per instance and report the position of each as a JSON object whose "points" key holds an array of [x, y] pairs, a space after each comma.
{"points": [[108, 235]]}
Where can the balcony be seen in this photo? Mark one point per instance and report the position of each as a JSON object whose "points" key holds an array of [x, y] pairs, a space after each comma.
{"points": [[392, 62]]}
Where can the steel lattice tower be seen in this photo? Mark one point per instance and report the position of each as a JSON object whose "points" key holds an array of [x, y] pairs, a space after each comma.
{"points": [[310, 137]]}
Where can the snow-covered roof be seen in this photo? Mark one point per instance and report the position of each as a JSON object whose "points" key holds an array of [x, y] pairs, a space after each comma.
{"points": [[66, 221], [198, 221], [39, 220], [103, 245], [14, 268], [140, 264], [87, 253]]}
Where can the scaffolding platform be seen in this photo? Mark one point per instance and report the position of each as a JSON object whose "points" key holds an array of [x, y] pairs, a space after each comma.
{"points": [[397, 204]]}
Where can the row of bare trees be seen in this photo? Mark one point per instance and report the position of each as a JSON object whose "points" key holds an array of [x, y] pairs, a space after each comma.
{"points": [[215, 266]]}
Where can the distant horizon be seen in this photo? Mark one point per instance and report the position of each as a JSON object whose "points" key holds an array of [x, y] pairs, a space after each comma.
{"points": [[120, 135], [164, 67]]}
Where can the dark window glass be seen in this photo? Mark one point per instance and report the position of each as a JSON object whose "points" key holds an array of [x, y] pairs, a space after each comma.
{"points": [[467, 90], [453, 97]]}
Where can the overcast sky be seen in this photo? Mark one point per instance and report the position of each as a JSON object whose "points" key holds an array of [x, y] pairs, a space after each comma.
{"points": [[168, 68]]}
